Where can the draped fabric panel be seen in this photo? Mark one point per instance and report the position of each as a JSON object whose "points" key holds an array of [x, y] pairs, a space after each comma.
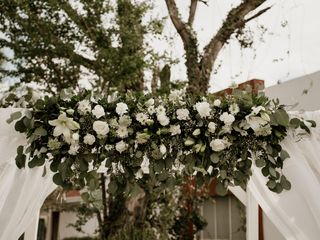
{"points": [[22, 192], [296, 213]]}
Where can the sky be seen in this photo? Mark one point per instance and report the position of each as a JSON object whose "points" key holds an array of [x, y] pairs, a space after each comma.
{"points": [[290, 48]]}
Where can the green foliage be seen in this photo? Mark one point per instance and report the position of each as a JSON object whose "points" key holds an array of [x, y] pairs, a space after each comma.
{"points": [[56, 43]]}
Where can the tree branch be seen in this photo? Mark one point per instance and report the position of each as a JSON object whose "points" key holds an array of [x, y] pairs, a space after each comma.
{"points": [[192, 11], [258, 14], [234, 21], [177, 22]]}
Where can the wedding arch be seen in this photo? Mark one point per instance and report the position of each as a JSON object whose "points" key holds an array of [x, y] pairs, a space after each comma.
{"points": [[242, 140]]}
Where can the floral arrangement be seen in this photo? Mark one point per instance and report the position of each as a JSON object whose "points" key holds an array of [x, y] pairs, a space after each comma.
{"points": [[138, 139]]}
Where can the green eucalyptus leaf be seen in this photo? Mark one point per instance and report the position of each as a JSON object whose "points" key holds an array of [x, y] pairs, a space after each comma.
{"points": [[284, 154], [285, 183], [221, 190]]}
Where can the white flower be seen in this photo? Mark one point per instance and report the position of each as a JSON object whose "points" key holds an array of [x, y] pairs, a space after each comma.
{"points": [[84, 107], [234, 108], [98, 111], [219, 144], [63, 125], [161, 110], [122, 132], [145, 165], [151, 110], [142, 118], [163, 119], [175, 129], [121, 146], [150, 102], [182, 114], [217, 103], [227, 118], [142, 138], [89, 139], [121, 108], [101, 128], [114, 123], [108, 147], [125, 121], [203, 109], [212, 127], [75, 136], [163, 149], [260, 126], [256, 110], [139, 174], [176, 95], [73, 150]]}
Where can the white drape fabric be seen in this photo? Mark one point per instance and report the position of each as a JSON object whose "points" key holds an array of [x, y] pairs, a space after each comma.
{"points": [[22, 192], [296, 213]]}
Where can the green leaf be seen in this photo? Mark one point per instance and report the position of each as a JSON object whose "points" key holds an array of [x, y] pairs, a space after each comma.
{"points": [[285, 183], [57, 179], [284, 155], [214, 157], [112, 187], [271, 184], [272, 172], [20, 160], [282, 117], [15, 115], [20, 127], [295, 122], [221, 190], [260, 163], [135, 190], [85, 197], [313, 123], [40, 131], [223, 174]]}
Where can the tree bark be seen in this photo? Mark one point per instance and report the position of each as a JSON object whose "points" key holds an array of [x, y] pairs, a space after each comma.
{"points": [[200, 66]]}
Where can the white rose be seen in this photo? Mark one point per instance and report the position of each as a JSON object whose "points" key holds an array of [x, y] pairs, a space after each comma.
{"points": [[122, 132], [98, 111], [121, 108], [84, 107], [163, 149], [89, 139], [73, 150], [219, 144], [150, 102], [75, 136], [101, 128], [234, 108], [227, 118], [121, 146], [203, 109], [175, 130], [125, 121], [217, 103], [182, 114], [142, 118], [212, 127], [163, 119]]}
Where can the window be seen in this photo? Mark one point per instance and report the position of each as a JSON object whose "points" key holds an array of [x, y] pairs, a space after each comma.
{"points": [[225, 217]]}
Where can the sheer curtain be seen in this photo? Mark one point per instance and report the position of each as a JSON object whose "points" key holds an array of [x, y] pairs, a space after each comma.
{"points": [[22, 192], [296, 213]]}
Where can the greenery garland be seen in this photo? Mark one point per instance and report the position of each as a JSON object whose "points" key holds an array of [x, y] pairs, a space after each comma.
{"points": [[143, 141]]}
